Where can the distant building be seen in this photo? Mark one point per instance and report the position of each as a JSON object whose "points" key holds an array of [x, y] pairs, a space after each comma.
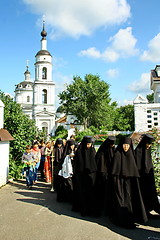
{"points": [[147, 115]]}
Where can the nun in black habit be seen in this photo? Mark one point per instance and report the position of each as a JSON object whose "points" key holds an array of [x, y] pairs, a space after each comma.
{"points": [[58, 154], [146, 171], [127, 204], [104, 157], [84, 176], [65, 172]]}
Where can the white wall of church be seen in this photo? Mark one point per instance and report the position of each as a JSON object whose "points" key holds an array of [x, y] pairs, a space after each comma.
{"points": [[147, 116], [140, 114], [23, 97]]}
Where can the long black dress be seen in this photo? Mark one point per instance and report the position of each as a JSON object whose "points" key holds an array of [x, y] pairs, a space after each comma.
{"points": [[84, 176], [146, 171], [65, 172], [58, 154], [127, 204], [104, 157]]}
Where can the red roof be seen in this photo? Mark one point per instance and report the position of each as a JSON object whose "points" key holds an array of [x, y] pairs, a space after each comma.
{"points": [[5, 135]]}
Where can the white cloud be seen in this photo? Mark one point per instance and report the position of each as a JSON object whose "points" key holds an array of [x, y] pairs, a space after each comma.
{"points": [[112, 73], [76, 18], [90, 52], [122, 44], [153, 52], [141, 85]]}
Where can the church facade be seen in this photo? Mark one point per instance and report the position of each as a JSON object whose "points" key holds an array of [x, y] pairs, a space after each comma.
{"points": [[147, 115], [37, 98]]}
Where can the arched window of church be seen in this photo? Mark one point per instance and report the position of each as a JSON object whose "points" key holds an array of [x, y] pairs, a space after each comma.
{"points": [[28, 98], [44, 73], [44, 96]]}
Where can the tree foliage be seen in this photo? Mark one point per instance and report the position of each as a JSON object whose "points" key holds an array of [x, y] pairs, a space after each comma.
{"points": [[89, 100], [22, 129], [150, 98], [156, 157], [61, 132], [124, 118]]}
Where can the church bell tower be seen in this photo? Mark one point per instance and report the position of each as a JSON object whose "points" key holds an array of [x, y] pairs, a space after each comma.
{"points": [[43, 110]]}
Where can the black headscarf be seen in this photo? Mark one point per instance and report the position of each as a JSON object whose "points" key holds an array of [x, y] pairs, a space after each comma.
{"points": [[143, 155], [124, 163], [105, 154], [85, 157], [58, 151], [67, 149]]}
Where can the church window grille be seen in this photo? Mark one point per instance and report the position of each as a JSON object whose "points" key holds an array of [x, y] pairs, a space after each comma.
{"points": [[44, 96], [44, 73]]}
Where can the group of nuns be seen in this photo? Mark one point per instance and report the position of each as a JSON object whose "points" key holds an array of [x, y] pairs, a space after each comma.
{"points": [[114, 181]]}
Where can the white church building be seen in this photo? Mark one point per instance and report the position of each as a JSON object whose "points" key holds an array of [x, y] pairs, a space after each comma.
{"points": [[147, 115], [37, 97]]}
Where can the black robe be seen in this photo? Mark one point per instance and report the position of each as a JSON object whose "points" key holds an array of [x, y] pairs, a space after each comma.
{"points": [[64, 184], [146, 171], [104, 157], [127, 204], [84, 176], [58, 154]]}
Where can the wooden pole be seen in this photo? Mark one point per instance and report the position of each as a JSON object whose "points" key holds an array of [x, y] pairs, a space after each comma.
{"points": [[52, 163]]}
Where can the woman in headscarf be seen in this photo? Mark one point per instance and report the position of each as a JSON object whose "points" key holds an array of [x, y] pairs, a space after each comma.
{"points": [[104, 157], [146, 171], [84, 176], [47, 163], [65, 172], [127, 204]]}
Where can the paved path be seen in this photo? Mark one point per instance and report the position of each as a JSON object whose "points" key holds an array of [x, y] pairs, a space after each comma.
{"points": [[35, 215]]}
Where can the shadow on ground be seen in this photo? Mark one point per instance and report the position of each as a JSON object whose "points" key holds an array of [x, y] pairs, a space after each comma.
{"points": [[41, 195]]}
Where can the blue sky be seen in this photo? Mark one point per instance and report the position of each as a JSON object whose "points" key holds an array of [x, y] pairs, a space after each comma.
{"points": [[117, 39]]}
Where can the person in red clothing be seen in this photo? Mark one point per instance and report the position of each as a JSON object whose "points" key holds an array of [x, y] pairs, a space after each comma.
{"points": [[47, 163]]}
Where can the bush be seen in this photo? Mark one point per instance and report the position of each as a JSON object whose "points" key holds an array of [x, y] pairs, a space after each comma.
{"points": [[156, 158], [61, 132]]}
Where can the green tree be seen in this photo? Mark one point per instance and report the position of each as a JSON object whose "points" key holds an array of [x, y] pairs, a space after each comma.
{"points": [[61, 132], [89, 100], [23, 130], [124, 118], [150, 98], [156, 157]]}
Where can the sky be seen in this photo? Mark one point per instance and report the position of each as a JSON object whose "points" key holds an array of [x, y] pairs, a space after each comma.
{"points": [[118, 40]]}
